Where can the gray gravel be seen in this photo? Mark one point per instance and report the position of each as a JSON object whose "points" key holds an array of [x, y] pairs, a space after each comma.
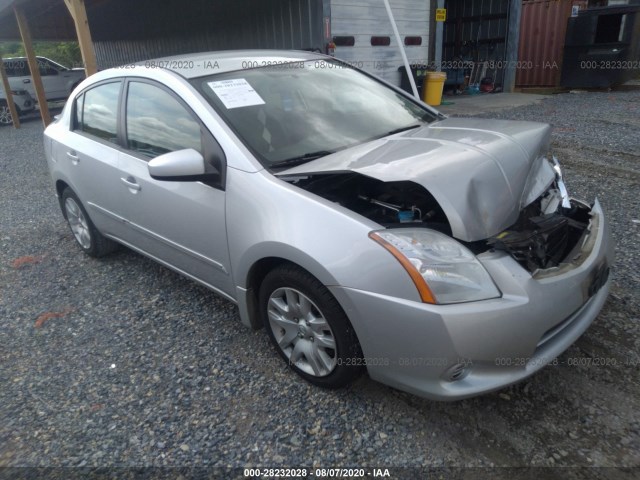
{"points": [[141, 367]]}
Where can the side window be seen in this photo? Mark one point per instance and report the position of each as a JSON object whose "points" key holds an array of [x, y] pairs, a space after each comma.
{"points": [[13, 69], [46, 68], [99, 111], [17, 68], [158, 123], [78, 112], [10, 68]]}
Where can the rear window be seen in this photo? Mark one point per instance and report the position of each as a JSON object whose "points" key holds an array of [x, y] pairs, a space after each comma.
{"points": [[97, 115]]}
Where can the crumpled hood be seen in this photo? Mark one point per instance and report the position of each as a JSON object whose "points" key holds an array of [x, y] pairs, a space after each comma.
{"points": [[476, 169]]}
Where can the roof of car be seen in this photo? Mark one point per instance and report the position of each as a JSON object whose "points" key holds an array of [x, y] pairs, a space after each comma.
{"points": [[8, 59], [193, 65]]}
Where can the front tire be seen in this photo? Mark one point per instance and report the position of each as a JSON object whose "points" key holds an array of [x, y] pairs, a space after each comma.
{"points": [[308, 328], [90, 240], [5, 114]]}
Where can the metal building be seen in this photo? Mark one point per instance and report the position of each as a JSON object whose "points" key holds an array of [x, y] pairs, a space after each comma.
{"points": [[483, 33], [125, 31], [543, 28]]}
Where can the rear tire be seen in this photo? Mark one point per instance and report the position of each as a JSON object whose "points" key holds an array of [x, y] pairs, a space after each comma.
{"points": [[308, 328], [88, 238]]}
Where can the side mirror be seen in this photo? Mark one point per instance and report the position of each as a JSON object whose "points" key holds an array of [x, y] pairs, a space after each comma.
{"points": [[181, 166]]}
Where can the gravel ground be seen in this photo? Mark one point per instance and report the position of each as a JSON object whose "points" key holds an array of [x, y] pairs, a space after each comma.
{"points": [[120, 362]]}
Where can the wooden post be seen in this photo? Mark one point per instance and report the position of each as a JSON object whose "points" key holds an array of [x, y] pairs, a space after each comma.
{"points": [[9, 95], [79, 14], [25, 33]]}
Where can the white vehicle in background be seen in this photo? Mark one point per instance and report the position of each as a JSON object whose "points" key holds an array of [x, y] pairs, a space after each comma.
{"points": [[58, 80], [23, 101]]}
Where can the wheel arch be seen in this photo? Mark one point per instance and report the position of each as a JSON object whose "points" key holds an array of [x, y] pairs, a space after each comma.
{"points": [[252, 275], [60, 186]]}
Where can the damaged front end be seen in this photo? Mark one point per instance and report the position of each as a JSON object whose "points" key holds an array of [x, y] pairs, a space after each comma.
{"points": [[544, 240], [552, 229]]}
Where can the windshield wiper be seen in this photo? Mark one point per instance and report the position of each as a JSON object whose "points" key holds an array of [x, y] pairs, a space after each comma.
{"points": [[307, 157], [403, 129]]}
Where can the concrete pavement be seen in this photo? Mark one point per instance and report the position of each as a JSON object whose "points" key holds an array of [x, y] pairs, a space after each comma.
{"points": [[455, 105]]}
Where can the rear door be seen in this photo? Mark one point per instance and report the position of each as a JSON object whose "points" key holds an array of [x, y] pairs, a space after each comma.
{"points": [[90, 154], [54, 79], [179, 223]]}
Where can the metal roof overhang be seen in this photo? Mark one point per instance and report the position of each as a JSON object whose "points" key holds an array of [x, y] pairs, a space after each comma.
{"points": [[48, 20], [120, 19]]}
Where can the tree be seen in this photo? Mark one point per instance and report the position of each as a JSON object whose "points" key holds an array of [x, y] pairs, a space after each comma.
{"points": [[65, 53]]}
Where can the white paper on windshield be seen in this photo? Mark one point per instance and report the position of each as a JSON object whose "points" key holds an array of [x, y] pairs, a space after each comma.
{"points": [[236, 93]]}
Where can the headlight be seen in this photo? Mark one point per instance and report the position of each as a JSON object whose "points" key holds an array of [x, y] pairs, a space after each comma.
{"points": [[443, 270]]}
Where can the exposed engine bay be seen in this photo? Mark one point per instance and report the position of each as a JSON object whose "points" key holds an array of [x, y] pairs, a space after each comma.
{"points": [[546, 234], [540, 240], [391, 204]]}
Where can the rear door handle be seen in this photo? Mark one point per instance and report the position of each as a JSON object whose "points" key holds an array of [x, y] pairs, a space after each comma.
{"points": [[26, 80], [131, 183], [74, 157]]}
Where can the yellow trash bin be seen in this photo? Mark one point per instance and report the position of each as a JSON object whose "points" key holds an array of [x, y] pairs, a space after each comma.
{"points": [[432, 88]]}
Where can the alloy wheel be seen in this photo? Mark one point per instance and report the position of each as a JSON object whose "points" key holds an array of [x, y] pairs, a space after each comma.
{"points": [[78, 223], [5, 115], [302, 332]]}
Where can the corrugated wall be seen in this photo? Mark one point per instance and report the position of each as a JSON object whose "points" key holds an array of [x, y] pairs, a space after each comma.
{"points": [[363, 19], [480, 21], [287, 24], [543, 27], [477, 31]]}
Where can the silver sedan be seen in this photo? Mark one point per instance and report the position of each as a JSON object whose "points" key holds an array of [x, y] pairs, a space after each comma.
{"points": [[363, 229]]}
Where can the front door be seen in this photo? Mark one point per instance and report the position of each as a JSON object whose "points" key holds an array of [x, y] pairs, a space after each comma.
{"points": [[179, 223]]}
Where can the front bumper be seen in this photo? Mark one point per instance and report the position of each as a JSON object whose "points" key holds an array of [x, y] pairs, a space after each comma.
{"points": [[25, 105], [450, 352]]}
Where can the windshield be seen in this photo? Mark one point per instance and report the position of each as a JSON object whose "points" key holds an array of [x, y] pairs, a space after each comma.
{"points": [[293, 113]]}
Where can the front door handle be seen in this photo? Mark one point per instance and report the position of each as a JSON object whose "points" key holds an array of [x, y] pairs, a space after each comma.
{"points": [[131, 183]]}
